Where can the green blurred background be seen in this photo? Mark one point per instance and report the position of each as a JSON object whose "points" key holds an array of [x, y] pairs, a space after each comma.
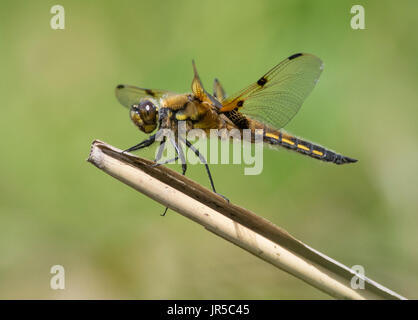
{"points": [[57, 96]]}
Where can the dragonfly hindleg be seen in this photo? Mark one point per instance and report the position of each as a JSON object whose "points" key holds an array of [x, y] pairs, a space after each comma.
{"points": [[203, 160]]}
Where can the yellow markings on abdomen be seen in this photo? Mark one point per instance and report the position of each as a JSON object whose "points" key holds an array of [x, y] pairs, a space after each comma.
{"points": [[300, 144], [272, 135], [275, 136], [288, 141]]}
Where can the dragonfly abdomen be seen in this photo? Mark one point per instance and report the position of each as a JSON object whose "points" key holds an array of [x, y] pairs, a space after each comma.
{"points": [[306, 148]]}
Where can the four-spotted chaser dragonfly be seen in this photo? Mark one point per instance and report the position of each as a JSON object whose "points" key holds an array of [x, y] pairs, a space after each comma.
{"points": [[268, 104]]}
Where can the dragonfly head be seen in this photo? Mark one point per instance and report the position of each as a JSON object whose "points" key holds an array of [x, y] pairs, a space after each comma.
{"points": [[144, 115]]}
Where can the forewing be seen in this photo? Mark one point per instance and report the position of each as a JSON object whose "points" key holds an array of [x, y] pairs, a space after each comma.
{"points": [[278, 95], [128, 95]]}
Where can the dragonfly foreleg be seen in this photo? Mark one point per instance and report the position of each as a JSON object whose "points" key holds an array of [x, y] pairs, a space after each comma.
{"points": [[143, 144]]}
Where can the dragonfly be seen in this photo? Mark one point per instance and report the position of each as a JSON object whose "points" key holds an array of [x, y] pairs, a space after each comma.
{"points": [[268, 104]]}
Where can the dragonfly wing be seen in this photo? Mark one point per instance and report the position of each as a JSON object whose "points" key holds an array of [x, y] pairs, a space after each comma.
{"points": [[218, 90], [128, 95], [278, 95]]}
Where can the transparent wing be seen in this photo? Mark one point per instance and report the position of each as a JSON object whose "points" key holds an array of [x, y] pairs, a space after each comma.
{"points": [[128, 95], [278, 95], [218, 90]]}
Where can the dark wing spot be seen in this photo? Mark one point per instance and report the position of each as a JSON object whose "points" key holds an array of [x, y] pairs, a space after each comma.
{"points": [[295, 56], [121, 86], [262, 81], [150, 92], [238, 119], [240, 103]]}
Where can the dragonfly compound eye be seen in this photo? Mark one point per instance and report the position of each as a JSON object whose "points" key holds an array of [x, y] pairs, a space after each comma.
{"points": [[144, 116]]}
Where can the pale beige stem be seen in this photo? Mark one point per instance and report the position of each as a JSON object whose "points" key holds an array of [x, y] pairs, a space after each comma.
{"points": [[235, 224]]}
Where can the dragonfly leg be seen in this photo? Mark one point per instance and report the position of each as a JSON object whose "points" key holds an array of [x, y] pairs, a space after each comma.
{"points": [[160, 150], [165, 162], [143, 144], [179, 152], [160, 153], [203, 160]]}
